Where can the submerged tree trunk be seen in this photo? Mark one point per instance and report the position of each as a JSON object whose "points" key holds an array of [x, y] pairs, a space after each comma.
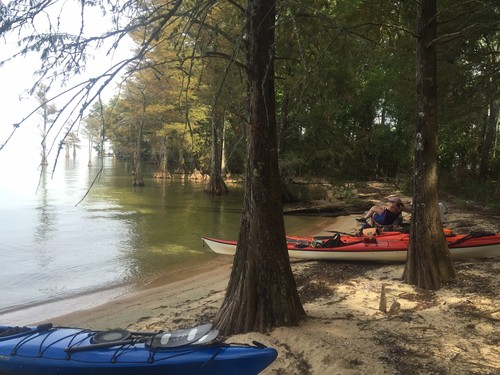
{"points": [[429, 263], [182, 162], [46, 111], [262, 293], [137, 179], [89, 164], [162, 171], [216, 184]]}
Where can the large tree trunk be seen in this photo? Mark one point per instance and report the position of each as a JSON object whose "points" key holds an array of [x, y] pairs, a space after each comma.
{"points": [[262, 292], [429, 263]]}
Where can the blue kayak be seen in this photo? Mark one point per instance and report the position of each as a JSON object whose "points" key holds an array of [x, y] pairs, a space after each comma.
{"points": [[62, 350]]}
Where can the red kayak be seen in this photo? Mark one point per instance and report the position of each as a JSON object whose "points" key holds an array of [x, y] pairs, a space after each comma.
{"points": [[385, 247]]}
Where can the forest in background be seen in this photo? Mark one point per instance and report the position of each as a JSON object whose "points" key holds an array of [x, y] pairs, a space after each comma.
{"points": [[345, 92]]}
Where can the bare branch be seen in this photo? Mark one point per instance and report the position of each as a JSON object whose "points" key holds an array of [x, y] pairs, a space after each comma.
{"points": [[459, 34], [64, 55], [225, 56]]}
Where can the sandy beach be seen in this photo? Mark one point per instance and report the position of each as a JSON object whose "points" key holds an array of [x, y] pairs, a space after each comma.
{"points": [[452, 331]]}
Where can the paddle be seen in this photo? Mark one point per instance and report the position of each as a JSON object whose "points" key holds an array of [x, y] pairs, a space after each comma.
{"points": [[471, 235], [383, 234], [344, 233]]}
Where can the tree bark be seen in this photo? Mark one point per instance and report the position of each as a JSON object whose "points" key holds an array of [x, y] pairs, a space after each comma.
{"points": [[429, 263], [262, 293]]}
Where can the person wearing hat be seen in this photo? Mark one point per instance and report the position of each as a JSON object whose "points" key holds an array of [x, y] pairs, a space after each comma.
{"points": [[385, 215]]}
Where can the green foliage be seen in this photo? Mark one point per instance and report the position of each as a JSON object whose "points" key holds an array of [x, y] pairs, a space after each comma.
{"points": [[345, 88], [350, 108], [468, 189], [346, 193]]}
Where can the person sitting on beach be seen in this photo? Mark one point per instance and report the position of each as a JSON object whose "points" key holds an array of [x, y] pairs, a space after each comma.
{"points": [[385, 215]]}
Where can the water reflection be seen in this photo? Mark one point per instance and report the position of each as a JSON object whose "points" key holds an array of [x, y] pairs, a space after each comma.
{"points": [[46, 227], [118, 233], [46, 215], [170, 220]]}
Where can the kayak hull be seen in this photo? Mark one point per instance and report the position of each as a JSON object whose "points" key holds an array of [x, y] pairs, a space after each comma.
{"points": [[46, 352], [200, 363], [385, 248]]}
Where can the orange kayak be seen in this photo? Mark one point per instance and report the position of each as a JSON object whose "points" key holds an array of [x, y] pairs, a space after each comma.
{"points": [[385, 247]]}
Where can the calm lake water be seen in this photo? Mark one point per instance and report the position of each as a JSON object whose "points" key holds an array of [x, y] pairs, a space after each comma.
{"points": [[118, 237]]}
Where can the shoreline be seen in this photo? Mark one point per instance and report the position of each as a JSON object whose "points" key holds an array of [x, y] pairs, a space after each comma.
{"points": [[142, 304], [48, 311], [119, 306], [174, 289], [123, 305], [24, 314]]}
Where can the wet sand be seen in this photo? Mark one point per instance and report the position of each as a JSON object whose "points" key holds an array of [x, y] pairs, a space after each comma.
{"points": [[129, 309]]}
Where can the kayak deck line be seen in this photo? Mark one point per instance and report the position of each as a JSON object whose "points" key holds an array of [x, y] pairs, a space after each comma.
{"points": [[52, 350]]}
